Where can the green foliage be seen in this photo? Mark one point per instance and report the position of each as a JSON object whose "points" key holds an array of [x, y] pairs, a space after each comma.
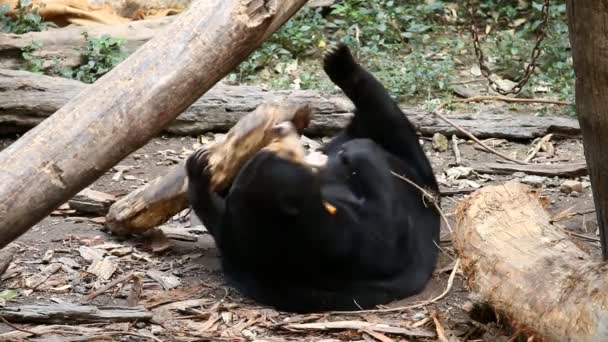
{"points": [[381, 33], [26, 18], [412, 48], [99, 56], [32, 63]]}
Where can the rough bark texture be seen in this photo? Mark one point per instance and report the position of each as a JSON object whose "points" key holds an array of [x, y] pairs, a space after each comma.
{"points": [[65, 44], [589, 40], [128, 106], [528, 269], [151, 205], [73, 313], [29, 98]]}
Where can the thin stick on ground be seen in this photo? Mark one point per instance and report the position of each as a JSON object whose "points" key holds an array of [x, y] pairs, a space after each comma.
{"points": [[471, 136], [17, 328], [117, 281], [510, 99], [439, 328], [456, 149], [428, 196], [490, 98], [410, 307], [538, 146]]}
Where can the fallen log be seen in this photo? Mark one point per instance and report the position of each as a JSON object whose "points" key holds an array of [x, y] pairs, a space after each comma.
{"points": [[61, 47], [129, 105], [27, 99], [527, 268], [547, 170], [67, 313]]}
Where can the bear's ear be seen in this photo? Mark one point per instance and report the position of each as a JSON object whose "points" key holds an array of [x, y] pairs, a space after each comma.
{"points": [[301, 118]]}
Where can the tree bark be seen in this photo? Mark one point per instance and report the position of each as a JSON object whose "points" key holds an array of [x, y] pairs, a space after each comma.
{"points": [[29, 98], [589, 40], [74, 313], [129, 105], [528, 269], [150, 205], [61, 47]]}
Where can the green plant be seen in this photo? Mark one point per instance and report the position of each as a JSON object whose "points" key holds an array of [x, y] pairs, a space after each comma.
{"points": [[99, 56], [26, 18], [32, 63]]}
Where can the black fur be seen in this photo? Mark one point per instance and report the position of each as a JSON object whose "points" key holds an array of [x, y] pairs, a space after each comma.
{"points": [[280, 245]]}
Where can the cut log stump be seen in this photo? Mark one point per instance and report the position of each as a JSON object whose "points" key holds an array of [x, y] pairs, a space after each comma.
{"points": [[528, 269]]}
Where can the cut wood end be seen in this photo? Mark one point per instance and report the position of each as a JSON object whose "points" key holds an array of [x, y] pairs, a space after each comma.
{"points": [[139, 221]]}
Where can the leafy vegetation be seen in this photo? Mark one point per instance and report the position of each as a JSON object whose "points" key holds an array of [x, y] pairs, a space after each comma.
{"points": [[417, 47], [26, 18], [99, 55], [33, 63]]}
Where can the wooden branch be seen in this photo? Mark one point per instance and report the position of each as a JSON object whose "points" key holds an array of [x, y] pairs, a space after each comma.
{"points": [[61, 47], [548, 170], [66, 313], [528, 269], [29, 98], [151, 205], [129, 105]]}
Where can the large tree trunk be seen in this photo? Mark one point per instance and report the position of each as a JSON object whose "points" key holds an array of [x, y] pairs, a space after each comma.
{"points": [[589, 38], [129, 105], [528, 269], [29, 98]]}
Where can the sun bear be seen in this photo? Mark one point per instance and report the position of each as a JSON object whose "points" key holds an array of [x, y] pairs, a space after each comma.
{"points": [[346, 236]]}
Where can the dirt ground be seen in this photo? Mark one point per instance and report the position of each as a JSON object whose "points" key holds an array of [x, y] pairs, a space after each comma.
{"points": [[190, 269]]}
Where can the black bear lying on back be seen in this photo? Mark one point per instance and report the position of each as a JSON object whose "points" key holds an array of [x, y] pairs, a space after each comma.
{"points": [[281, 244]]}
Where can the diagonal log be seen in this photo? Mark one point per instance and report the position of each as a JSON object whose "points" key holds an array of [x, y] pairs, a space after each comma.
{"points": [[129, 105]]}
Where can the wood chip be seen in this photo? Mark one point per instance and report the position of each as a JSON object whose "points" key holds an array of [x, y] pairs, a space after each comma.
{"points": [[167, 281], [103, 269], [91, 254], [39, 278]]}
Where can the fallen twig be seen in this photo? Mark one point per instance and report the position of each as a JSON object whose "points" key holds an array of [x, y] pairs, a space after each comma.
{"points": [[489, 98], [439, 328], [16, 327], [538, 146], [110, 285], [567, 213], [510, 99], [409, 307], [470, 135], [378, 336], [428, 196], [456, 149], [360, 325], [548, 170]]}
